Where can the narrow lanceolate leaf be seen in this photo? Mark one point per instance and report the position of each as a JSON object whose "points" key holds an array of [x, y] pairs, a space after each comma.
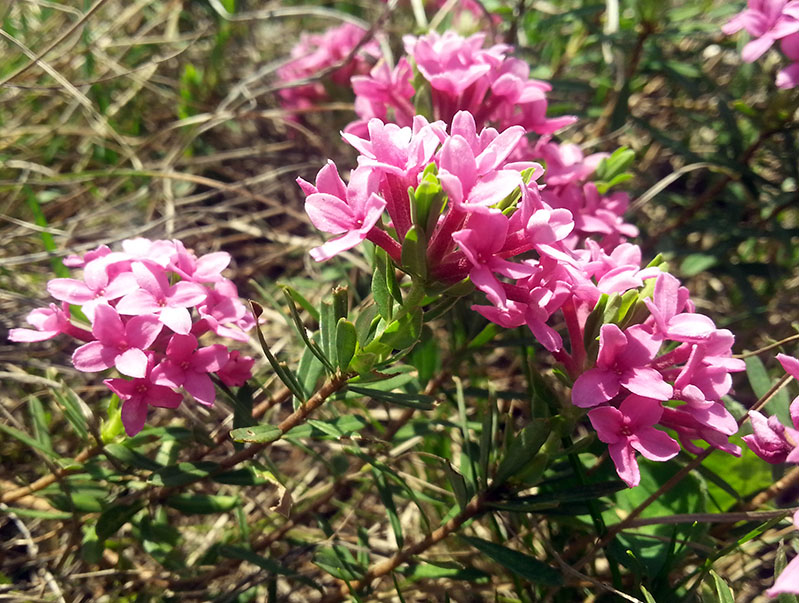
{"points": [[183, 473], [414, 253], [202, 504], [647, 595], [723, 591], [26, 439], [522, 565], [417, 401], [257, 434], [280, 371], [522, 449], [486, 437], [380, 292], [73, 406], [271, 566], [113, 518], [40, 430], [306, 305], [458, 483], [387, 497], [346, 343], [129, 457]]}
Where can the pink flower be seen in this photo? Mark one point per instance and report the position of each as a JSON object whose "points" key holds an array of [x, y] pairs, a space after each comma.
{"points": [[383, 89], [471, 167], [771, 440], [137, 396], [337, 208], [237, 370], [49, 322], [623, 361], [187, 366], [118, 344], [767, 21], [156, 297], [97, 287], [206, 269], [667, 306], [317, 52], [480, 241], [629, 428]]}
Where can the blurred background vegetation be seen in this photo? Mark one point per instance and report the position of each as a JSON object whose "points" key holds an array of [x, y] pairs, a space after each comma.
{"points": [[159, 118]]}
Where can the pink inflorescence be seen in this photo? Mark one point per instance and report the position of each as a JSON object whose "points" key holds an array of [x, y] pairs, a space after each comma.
{"points": [[460, 74], [147, 305], [316, 52], [495, 227], [769, 21]]}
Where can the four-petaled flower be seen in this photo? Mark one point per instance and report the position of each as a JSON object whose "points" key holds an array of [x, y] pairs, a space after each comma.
{"points": [[630, 428]]}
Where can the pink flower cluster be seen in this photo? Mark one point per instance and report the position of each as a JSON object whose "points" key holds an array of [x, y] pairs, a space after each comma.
{"points": [[139, 302], [317, 52], [768, 21], [776, 443], [497, 91], [543, 254], [670, 370], [463, 76], [493, 226], [771, 440]]}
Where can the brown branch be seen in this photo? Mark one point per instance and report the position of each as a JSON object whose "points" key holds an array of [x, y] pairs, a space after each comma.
{"points": [[50, 478], [472, 509], [333, 385], [340, 485]]}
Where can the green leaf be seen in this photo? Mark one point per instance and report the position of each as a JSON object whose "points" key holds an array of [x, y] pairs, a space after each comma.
{"points": [[26, 439], [524, 566], [183, 473], [80, 500], [761, 383], [326, 326], [239, 477], [522, 449], [694, 263], [735, 478], [458, 484], [337, 428], [202, 504], [417, 401], [383, 299], [689, 496], [288, 379], [386, 381], [647, 595], [387, 497], [612, 166], [113, 518], [723, 591], [346, 343], [37, 514], [339, 563], [432, 570], [486, 438], [126, 456], [306, 305], [405, 331], [72, 406], [47, 238], [257, 434], [271, 566], [414, 253], [39, 420]]}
